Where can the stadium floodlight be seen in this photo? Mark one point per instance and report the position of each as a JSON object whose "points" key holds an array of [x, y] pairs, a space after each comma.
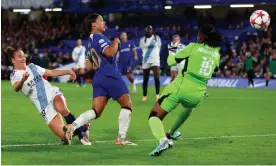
{"points": [[54, 9], [241, 5], [168, 7], [202, 6], [57, 9], [48, 10], [22, 10]]}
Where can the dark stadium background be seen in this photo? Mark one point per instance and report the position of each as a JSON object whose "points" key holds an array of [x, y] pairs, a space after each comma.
{"points": [[48, 37]]}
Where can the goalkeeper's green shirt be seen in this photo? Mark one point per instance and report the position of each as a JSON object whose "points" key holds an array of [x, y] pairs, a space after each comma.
{"points": [[203, 59]]}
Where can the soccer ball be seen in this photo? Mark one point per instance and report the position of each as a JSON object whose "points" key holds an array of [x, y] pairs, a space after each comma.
{"points": [[260, 19]]}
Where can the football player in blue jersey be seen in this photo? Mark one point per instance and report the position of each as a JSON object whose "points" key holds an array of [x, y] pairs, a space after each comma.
{"points": [[107, 81], [125, 58]]}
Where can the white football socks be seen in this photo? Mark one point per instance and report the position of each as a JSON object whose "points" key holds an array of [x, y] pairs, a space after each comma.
{"points": [[124, 121], [83, 119]]}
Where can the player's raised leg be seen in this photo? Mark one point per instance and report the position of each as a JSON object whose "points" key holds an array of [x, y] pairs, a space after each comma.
{"points": [[99, 103], [60, 106]]}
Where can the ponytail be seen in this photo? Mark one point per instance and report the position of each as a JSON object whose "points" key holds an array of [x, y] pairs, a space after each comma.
{"points": [[10, 52]]}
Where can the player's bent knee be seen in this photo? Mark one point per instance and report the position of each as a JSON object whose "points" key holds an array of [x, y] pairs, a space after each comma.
{"points": [[127, 105], [63, 111], [157, 111], [153, 114], [98, 114], [125, 101], [128, 108], [157, 115]]}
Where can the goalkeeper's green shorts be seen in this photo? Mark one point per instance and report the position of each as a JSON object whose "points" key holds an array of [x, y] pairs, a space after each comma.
{"points": [[183, 90]]}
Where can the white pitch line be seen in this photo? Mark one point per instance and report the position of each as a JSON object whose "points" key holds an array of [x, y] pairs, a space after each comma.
{"points": [[22, 145], [150, 140]]}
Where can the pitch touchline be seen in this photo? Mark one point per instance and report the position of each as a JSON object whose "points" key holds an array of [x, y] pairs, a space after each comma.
{"points": [[149, 140]]}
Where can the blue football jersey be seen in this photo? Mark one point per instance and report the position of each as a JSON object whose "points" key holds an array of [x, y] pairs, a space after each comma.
{"points": [[126, 52], [95, 53]]}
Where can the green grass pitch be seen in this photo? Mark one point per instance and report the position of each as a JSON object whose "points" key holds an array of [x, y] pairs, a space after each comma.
{"points": [[232, 126]]}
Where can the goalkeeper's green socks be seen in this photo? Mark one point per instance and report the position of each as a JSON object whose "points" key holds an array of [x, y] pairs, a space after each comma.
{"points": [[157, 128], [181, 119]]}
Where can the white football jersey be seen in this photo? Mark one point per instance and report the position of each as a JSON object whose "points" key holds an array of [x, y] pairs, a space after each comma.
{"points": [[178, 47], [151, 48], [79, 54], [36, 88]]}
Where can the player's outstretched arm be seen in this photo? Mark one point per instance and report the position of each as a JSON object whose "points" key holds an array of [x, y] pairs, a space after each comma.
{"points": [[17, 86], [112, 49], [56, 73], [171, 60]]}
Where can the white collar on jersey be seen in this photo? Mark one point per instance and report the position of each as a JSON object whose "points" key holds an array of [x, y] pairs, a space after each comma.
{"points": [[91, 36]]}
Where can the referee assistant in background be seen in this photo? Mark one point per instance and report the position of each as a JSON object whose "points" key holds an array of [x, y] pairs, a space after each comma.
{"points": [[249, 68]]}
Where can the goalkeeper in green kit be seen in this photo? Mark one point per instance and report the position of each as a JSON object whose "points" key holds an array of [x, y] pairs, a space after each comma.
{"points": [[187, 89]]}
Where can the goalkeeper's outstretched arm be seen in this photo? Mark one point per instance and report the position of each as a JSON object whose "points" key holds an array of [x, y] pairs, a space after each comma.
{"points": [[180, 56]]}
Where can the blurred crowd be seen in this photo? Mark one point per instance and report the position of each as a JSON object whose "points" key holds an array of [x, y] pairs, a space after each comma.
{"points": [[259, 48], [30, 33], [33, 33]]}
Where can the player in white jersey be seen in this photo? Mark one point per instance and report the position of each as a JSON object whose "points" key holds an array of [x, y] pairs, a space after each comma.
{"points": [[48, 99], [78, 55], [174, 47], [150, 45]]}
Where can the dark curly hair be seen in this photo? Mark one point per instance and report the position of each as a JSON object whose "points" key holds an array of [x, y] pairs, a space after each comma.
{"points": [[211, 37]]}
